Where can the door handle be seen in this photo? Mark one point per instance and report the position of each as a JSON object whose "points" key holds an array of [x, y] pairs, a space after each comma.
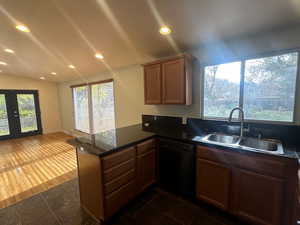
{"points": [[16, 116]]}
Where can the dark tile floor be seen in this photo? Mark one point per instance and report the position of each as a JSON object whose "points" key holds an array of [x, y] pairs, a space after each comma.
{"points": [[60, 206]]}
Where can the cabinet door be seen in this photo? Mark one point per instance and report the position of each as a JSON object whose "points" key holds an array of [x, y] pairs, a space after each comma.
{"points": [[174, 82], [146, 169], [152, 84], [213, 183], [258, 198]]}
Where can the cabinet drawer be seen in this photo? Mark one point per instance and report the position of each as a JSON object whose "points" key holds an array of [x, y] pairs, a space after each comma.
{"points": [[119, 170], [145, 146], [260, 164], [214, 154], [118, 182], [119, 198], [117, 158]]}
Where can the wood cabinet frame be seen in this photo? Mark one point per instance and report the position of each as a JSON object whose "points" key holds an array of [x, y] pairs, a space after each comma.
{"points": [[207, 186], [108, 183], [265, 170], [184, 72]]}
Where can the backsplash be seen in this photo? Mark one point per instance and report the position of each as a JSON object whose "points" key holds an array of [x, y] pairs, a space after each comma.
{"points": [[160, 121], [288, 134]]}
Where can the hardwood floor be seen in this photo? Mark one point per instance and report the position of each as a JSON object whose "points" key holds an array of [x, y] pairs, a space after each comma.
{"points": [[34, 164]]}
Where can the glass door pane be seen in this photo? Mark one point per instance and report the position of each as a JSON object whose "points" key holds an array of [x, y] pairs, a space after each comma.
{"points": [[4, 126], [27, 112], [103, 107], [81, 108]]}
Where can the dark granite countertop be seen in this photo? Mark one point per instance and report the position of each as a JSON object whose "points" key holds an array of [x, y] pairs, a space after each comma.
{"points": [[104, 143], [113, 140]]}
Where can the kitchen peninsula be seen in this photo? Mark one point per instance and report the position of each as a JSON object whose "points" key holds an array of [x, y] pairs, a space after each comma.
{"points": [[117, 165]]}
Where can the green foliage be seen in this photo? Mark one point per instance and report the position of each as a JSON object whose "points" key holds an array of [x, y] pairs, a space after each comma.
{"points": [[269, 89]]}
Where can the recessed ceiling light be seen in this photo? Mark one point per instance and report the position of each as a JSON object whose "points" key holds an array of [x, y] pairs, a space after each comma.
{"points": [[42, 78], [3, 63], [164, 30], [23, 28], [53, 73], [99, 56], [71, 66], [9, 50]]}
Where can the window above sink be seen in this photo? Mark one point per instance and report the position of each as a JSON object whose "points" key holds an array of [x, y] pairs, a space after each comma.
{"points": [[264, 87]]}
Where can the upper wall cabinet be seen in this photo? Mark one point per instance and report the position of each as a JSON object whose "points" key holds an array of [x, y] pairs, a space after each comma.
{"points": [[152, 79], [169, 81]]}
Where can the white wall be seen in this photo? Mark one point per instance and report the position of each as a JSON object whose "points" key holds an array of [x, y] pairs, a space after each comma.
{"points": [[128, 97], [129, 86], [48, 97]]}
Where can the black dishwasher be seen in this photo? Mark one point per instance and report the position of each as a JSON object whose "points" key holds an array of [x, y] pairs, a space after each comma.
{"points": [[177, 167]]}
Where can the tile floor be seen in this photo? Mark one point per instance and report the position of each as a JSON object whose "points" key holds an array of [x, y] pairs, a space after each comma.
{"points": [[60, 206]]}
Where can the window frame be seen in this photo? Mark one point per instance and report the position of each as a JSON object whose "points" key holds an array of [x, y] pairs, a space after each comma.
{"points": [[90, 103], [243, 60]]}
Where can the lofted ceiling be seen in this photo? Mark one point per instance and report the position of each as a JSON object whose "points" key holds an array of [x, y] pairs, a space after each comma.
{"points": [[65, 32]]}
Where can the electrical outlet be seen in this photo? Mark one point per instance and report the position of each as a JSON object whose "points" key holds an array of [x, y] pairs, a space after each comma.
{"points": [[184, 120]]}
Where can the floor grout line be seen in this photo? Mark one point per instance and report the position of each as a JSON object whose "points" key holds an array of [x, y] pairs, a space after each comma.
{"points": [[53, 213]]}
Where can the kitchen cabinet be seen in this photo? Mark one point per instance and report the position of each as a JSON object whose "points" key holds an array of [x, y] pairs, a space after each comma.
{"points": [[108, 183], [257, 188], [213, 183], [169, 81], [146, 165], [257, 197], [152, 80], [173, 82]]}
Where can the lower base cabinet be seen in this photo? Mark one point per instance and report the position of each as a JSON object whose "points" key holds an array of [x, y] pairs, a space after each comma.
{"points": [[146, 170], [259, 189], [258, 198], [108, 183], [213, 183]]}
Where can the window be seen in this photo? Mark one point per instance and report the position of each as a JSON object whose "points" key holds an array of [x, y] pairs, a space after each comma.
{"points": [[268, 84], [94, 107], [81, 108], [4, 126], [221, 89], [103, 107], [27, 112]]}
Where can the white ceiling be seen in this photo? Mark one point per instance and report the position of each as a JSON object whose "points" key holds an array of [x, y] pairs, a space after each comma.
{"points": [[67, 32]]}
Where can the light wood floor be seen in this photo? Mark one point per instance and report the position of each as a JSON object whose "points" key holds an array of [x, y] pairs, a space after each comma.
{"points": [[34, 164]]}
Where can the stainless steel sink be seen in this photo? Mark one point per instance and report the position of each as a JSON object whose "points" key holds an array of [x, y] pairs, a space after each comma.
{"points": [[222, 138], [259, 144], [247, 143]]}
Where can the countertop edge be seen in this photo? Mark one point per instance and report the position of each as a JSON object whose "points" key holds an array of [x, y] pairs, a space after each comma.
{"points": [[92, 149]]}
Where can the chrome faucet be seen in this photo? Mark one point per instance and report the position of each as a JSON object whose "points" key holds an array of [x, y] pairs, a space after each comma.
{"points": [[241, 119]]}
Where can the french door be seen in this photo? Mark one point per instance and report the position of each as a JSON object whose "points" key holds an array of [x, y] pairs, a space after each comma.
{"points": [[19, 113]]}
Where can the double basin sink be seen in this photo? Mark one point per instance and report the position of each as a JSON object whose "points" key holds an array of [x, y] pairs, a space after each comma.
{"points": [[246, 143]]}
